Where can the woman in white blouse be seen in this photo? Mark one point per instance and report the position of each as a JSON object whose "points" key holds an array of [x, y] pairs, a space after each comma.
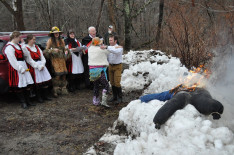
{"points": [[38, 70], [19, 76]]}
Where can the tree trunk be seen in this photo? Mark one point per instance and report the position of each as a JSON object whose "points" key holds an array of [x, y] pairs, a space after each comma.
{"points": [[127, 25], [111, 13], [17, 12], [160, 19], [99, 15], [19, 15]]}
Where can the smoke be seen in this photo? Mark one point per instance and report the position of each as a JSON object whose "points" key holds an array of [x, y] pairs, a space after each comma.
{"points": [[221, 82]]}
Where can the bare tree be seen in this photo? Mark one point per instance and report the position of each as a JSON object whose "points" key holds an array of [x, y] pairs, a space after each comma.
{"points": [[129, 15], [160, 19], [16, 11], [111, 13], [99, 15]]}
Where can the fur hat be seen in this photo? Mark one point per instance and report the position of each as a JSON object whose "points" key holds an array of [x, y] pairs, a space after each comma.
{"points": [[96, 41], [55, 29]]}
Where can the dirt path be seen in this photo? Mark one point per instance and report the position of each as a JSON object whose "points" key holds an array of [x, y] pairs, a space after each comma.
{"points": [[66, 125]]}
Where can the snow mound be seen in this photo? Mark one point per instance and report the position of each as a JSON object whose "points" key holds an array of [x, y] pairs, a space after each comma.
{"points": [[186, 132], [152, 69]]}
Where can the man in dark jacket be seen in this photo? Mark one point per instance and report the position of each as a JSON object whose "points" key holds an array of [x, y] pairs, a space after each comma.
{"points": [[108, 34], [87, 40]]}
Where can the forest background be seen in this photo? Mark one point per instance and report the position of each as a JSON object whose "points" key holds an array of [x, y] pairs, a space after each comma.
{"points": [[188, 29]]}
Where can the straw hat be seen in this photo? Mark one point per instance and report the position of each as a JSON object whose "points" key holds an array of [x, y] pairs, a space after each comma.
{"points": [[55, 29], [96, 41]]}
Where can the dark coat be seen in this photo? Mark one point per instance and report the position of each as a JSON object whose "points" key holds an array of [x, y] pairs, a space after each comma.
{"points": [[205, 104], [106, 38], [200, 99], [179, 101], [87, 39]]}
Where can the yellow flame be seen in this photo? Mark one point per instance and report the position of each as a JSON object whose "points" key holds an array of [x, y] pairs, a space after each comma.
{"points": [[196, 78]]}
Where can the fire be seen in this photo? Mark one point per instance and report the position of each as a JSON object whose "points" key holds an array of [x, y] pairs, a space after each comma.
{"points": [[197, 77]]}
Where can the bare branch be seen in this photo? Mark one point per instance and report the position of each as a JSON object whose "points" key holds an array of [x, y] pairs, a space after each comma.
{"points": [[118, 8], [209, 9], [8, 6], [142, 9]]}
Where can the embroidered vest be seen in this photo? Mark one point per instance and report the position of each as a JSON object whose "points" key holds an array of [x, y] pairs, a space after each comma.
{"points": [[18, 53], [35, 55]]}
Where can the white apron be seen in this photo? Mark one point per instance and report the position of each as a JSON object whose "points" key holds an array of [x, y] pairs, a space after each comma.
{"points": [[41, 75], [77, 65], [26, 78]]}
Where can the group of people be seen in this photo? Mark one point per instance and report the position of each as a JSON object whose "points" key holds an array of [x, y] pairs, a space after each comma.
{"points": [[63, 65]]}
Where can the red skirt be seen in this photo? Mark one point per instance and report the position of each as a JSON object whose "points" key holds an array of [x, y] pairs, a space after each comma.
{"points": [[69, 65], [13, 77]]}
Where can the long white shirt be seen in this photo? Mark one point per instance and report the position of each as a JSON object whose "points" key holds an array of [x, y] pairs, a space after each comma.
{"points": [[34, 64], [115, 56], [10, 52], [25, 77], [41, 72]]}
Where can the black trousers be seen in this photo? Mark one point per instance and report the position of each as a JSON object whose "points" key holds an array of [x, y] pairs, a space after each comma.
{"points": [[86, 70]]}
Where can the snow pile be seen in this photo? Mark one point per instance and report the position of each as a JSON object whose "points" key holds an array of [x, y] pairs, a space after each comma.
{"points": [[186, 132], [134, 57], [153, 69]]}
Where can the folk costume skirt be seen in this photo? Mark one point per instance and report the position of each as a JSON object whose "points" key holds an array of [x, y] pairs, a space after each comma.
{"points": [[17, 79], [75, 64], [40, 76]]}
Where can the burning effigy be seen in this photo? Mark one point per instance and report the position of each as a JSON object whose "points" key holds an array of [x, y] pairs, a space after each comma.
{"points": [[191, 91]]}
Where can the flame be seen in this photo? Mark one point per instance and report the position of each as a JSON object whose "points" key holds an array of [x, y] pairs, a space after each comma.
{"points": [[197, 77]]}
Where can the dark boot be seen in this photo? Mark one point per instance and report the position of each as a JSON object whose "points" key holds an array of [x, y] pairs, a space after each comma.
{"points": [[27, 97], [119, 95], [114, 92], [39, 95], [46, 94], [71, 85], [77, 83], [22, 100]]}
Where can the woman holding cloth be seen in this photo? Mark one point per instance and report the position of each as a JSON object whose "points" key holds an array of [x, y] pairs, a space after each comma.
{"points": [[37, 67], [20, 78], [74, 64]]}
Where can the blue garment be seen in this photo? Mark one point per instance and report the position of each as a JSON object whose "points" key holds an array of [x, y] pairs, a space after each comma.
{"points": [[166, 95], [95, 73]]}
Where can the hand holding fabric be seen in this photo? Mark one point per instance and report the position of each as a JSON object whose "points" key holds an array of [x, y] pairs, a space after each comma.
{"points": [[40, 67], [22, 70]]}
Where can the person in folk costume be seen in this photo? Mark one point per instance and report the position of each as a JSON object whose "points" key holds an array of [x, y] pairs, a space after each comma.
{"points": [[97, 70], [87, 40], [57, 54], [115, 68], [39, 72], [20, 78], [74, 64]]}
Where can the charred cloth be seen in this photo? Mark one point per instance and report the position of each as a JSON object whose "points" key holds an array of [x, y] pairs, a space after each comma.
{"points": [[200, 98]]}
